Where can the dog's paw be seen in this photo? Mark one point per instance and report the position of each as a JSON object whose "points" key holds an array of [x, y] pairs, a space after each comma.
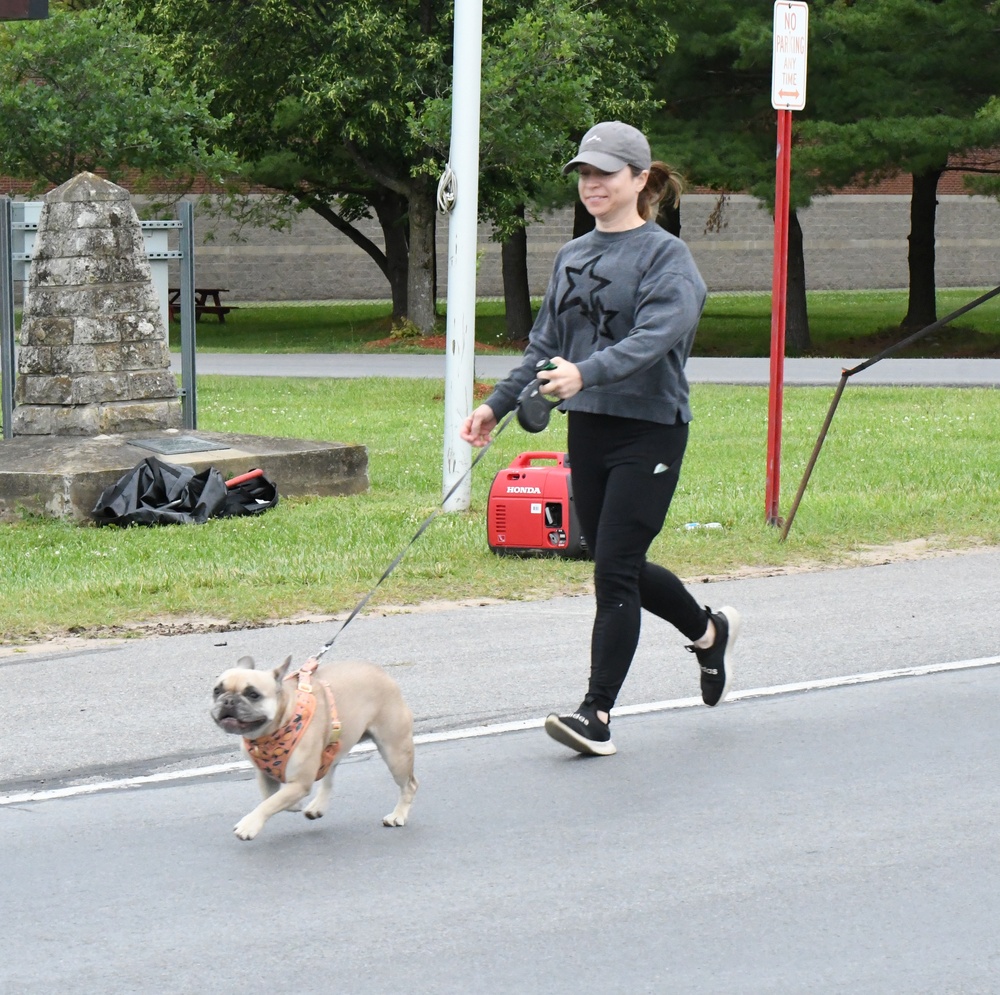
{"points": [[394, 820], [248, 827], [314, 811]]}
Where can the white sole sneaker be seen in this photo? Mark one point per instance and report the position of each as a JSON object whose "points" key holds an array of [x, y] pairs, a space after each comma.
{"points": [[734, 619], [562, 733]]}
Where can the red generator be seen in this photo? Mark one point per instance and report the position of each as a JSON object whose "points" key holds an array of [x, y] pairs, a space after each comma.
{"points": [[531, 509]]}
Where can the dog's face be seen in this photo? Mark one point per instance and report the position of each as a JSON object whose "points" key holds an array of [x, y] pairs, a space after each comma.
{"points": [[245, 700]]}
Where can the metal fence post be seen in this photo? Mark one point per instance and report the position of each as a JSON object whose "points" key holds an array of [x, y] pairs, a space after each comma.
{"points": [[6, 318], [189, 396]]}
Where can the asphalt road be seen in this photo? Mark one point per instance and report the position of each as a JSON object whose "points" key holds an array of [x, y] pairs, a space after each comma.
{"points": [[802, 838], [839, 841]]}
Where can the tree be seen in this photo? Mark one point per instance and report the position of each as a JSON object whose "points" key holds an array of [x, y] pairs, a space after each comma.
{"points": [[548, 75], [901, 87], [320, 98], [343, 108], [84, 92], [718, 126], [983, 166], [893, 85]]}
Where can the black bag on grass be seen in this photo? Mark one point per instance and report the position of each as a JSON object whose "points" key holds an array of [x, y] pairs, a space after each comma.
{"points": [[249, 494], [155, 492]]}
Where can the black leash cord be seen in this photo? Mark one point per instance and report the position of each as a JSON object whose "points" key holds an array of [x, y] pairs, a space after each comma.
{"points": [[427, 521]]}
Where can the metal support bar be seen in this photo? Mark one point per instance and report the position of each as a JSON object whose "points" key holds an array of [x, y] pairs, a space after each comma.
{"points": [[926, 330], [6, 319], [815, 455], [847, 374], [189, 397]]}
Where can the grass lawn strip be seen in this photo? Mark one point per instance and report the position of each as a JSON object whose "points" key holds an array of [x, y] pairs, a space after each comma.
{"points": [[905, 471]]}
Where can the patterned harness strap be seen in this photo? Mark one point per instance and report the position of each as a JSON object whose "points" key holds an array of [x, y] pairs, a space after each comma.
{"points": [[271, 753]]}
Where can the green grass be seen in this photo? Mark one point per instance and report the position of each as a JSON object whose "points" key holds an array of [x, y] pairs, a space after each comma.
{"points": [[899, 464], [849, 324], [855, 324]]}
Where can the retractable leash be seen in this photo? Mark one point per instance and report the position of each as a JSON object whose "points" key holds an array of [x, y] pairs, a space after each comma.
{"points": [[427, 521]]}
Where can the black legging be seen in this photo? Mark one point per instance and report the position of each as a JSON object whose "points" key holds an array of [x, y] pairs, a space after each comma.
{"points": [[621, 499]]}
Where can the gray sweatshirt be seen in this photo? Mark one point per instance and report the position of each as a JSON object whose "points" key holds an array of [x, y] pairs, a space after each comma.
{"points": [[624, 307]]}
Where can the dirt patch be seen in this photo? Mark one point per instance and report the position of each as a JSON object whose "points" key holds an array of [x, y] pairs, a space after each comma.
{"points": [[109, 636], [914, 549]]}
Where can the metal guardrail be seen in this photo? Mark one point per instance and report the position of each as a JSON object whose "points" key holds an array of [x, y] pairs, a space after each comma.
{"points": [[25, 257]]}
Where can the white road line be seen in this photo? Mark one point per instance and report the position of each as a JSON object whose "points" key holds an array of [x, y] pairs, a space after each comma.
{"points": [[474, 732]]}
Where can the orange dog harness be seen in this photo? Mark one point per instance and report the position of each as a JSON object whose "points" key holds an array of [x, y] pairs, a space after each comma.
{"points": [[271, 753]]}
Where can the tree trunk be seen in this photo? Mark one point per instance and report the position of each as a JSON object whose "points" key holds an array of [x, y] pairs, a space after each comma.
{"points": [[516, 291], [420, 295], [390, 209], [922, 309], [797, 339], [669, 217], [583, 220]]}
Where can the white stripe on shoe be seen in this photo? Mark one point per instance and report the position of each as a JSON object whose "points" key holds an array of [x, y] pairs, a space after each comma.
{"points": [[562, 733], [735, 621]]}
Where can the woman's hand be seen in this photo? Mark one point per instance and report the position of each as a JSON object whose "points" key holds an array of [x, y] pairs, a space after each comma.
{"points": [[477, 427], [564, 381]]}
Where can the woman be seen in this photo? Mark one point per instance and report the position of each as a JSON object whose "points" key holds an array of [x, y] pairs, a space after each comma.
{"points": [[617, 325]]}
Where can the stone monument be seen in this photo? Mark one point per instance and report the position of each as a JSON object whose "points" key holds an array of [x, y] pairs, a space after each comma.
{"points": [[94, 358], [95, 393]]}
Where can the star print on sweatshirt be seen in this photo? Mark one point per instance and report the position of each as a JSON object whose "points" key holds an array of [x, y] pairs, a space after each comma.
{"points": [[584, 292]]}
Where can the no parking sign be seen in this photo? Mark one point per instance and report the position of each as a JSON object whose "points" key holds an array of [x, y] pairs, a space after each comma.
{"points": [[788, 62]]}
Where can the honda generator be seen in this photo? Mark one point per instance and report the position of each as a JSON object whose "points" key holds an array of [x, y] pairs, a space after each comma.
{"points": [[531, 511]]}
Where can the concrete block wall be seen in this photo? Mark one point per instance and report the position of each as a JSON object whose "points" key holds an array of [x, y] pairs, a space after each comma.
{"points": [[852, 241]]}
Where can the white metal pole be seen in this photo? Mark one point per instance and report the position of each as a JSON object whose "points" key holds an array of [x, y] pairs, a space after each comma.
{"points": [[460, 368]]}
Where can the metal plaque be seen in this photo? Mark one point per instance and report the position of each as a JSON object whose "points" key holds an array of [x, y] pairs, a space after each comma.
{"points": [[178, 444]]}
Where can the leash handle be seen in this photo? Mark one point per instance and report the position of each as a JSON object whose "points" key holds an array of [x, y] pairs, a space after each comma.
{"points": [[427, 521]]}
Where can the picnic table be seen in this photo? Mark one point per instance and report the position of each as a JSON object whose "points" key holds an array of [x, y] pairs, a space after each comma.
{"points": [[202, 298]]}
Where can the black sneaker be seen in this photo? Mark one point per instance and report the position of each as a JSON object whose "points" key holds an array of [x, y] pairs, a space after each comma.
{"points": [[717, 661], [582, 731]]}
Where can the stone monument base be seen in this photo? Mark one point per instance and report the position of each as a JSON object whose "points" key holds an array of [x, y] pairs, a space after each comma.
{"points": [[96, 419], [62, 477]]}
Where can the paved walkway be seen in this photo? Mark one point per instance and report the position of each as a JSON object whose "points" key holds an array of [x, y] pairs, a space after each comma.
{"points": [[802, 372]]}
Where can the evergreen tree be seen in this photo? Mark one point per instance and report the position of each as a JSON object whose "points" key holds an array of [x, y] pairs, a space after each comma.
{"points": [[899, 87]]}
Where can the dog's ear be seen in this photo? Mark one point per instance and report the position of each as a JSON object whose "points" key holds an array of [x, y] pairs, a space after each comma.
{"points": [[246, 663], [279, 672]]}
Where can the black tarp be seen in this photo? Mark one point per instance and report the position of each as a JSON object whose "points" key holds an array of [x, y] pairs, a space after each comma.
{"points": [[155, 492]]}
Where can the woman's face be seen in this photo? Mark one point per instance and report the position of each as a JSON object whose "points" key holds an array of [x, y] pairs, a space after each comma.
{"points": [[611, 197]]}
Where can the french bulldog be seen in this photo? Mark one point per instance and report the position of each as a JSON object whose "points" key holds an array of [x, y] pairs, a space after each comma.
{"points": [[254, 704]]}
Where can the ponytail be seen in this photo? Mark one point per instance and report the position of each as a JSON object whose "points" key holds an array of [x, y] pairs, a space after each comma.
{"points": [[664, 183]]}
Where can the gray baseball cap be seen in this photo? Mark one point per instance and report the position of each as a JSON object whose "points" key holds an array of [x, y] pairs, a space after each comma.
{"points": [[610, 146]]}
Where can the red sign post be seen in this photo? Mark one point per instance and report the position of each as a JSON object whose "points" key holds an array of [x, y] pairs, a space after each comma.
{"points": [[788, 93]]}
